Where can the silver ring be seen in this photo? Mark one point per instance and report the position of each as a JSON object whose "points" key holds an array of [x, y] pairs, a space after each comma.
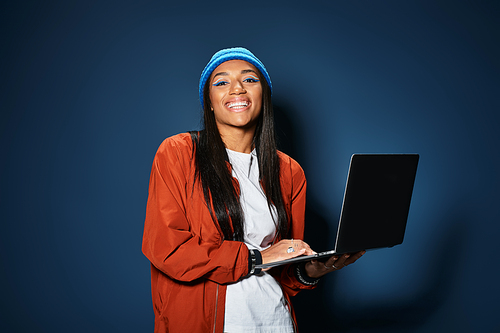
{"points": [[290, 249], [334, 267]]}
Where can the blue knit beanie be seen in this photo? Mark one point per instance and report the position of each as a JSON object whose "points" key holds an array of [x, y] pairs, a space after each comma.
{"points": [[235, 53]]}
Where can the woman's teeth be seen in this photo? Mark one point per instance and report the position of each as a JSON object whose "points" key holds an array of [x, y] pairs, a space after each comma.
{"points": [[238, 105]]}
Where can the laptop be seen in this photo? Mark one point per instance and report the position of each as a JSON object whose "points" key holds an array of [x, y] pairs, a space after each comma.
{"points": [[375, 207]]}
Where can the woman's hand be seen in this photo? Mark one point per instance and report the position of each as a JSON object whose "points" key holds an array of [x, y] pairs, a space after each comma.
{"points": [[285, 249], [316, 269]]}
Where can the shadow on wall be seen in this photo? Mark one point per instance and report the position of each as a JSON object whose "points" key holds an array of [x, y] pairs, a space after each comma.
{"points": [[311, 307], [315, 312]]}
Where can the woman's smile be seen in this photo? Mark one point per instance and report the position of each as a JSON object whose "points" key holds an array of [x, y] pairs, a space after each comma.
{"points": [[238, 105]]}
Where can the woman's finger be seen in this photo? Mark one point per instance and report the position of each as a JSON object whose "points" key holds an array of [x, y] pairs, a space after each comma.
{"points": [[318, 268], [297, 245], [286, 249], [348, 258], [354, 257], [342, 259], [329, 264]]}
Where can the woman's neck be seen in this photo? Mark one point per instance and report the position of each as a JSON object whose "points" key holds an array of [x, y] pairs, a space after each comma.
{"points": [[238, 140]]}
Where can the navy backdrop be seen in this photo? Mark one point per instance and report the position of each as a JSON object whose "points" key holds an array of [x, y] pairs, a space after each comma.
{"points": [[89, 89]]}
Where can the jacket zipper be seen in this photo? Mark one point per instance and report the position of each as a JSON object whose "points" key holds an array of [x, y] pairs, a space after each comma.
{"points": [[216, 303]]}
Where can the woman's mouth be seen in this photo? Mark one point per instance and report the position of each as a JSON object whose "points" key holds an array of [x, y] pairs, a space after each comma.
{"points": [[239, 105]]}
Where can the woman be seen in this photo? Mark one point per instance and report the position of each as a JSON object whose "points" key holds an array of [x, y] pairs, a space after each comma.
{"points": [[222, 201]]}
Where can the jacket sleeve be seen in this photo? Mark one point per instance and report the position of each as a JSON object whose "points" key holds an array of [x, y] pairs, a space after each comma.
{"points": [[285, 274], [169, 241]]}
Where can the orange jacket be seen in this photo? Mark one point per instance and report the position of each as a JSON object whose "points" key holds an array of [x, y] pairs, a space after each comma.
{"points": [[190, 262]]}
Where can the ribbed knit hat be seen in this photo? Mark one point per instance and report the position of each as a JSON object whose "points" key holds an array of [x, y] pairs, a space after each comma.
{"points": [[235, 53]]}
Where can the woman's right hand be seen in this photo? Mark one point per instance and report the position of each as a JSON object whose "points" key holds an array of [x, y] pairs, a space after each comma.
{"points": [[285, 249]]}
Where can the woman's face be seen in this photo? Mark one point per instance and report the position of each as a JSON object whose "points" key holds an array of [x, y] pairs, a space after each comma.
{"points": [[236, 95]]}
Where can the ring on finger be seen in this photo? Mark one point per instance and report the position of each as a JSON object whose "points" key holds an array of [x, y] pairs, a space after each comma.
{"points": [[290, 249]]}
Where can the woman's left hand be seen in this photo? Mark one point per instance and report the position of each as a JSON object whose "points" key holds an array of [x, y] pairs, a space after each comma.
{"points": [[316, 269]]}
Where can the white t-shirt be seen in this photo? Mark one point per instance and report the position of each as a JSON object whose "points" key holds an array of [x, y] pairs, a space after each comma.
{"points": [[255, 304]]}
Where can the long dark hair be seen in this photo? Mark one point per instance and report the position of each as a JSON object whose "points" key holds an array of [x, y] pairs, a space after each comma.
{"points": [[212, 169]]}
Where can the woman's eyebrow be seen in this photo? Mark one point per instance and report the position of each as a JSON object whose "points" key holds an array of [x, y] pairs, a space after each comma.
{"points": [[220, 73], [248, 71], [242, 72]]}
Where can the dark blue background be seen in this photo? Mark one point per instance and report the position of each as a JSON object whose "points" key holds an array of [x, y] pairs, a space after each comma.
{"points": [[89, 89]]}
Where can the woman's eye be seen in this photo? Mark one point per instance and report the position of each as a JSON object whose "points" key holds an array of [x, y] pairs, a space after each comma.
{"points": [[251, 79], [219, 83]]}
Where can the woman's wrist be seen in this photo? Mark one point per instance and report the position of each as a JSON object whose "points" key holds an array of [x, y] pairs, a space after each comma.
{"points": [[301, 275], [254, 259], [311, 272]]}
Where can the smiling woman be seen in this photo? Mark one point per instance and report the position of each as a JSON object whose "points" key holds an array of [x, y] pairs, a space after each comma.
{"points": [[222, 201]]}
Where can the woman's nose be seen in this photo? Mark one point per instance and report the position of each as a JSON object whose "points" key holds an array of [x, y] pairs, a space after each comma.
{"points": [[237, 88]]}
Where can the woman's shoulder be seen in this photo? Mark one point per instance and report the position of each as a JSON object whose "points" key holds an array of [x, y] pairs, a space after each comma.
{"points": [[181, 141], [289, 163], [178, 147]]}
